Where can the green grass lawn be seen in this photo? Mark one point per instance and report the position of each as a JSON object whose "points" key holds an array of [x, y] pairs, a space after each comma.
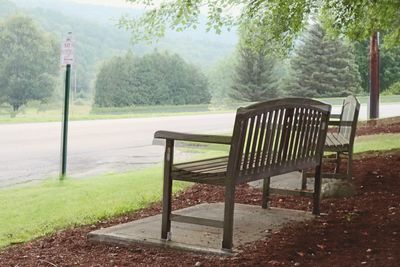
{"points": [[380, 142], [364, 99], [32, 211], [84, 111]]}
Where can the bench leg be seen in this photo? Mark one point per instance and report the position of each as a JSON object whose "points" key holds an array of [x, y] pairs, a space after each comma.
{"points": [[317, 190], [304, 180], [167, 191], [350, 166], [265, 197], [227, 240], [337, 166]]}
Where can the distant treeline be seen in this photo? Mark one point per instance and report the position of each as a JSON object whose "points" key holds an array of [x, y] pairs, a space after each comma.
{"points": [[154, 79]]}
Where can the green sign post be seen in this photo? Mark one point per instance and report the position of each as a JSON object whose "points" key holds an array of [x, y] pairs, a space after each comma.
{"points": [[67, 58], [65, 123]]}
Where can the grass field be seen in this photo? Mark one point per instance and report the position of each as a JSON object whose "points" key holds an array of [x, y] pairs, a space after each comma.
{"points": [[83, 111], [32, 211], [364, 99], [377, 143]]}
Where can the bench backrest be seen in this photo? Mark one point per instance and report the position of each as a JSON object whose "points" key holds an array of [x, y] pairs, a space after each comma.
{"points": [[349, 118], [277, 136]]}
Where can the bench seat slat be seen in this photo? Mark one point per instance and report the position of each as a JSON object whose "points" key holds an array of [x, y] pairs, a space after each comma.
{"points": [[199, 162], [216, 174], [342, 139], [336, 142], [201, 166]]}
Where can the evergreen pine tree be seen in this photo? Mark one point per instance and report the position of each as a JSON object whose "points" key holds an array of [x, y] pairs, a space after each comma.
{"points": [[322, 67], [254, 77]]}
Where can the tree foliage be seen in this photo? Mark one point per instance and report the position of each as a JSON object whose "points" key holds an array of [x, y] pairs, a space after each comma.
{"points": [[361, 54], [220, 78], [281, 19], [254, 78], [323, 67], [389, 61], [157, 78], [389, 67], [28, 62], [394, 89]]}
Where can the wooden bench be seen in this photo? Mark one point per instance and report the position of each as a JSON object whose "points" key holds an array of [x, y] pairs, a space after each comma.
{"points": [[341, 139], [268, 139]]}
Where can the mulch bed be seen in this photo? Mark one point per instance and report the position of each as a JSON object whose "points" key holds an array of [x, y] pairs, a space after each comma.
{"points": [[363, 230], [389, 125]]}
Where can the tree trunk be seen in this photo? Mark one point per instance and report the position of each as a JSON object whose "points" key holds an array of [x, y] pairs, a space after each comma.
{"points": [[374, 77], [14, 112]]}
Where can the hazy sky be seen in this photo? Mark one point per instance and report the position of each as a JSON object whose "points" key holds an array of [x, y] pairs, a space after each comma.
{"points": [[123, 3], [118, 3]]}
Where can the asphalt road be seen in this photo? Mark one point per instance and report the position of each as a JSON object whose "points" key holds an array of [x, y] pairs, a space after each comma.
{"points": [[31, 151]]}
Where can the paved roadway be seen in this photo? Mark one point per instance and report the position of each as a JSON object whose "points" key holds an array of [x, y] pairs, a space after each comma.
{"points": [[31, 151]]}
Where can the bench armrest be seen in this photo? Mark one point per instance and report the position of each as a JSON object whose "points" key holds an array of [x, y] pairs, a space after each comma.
{"points": [[215, 139], [334, 116], [341, 123]]}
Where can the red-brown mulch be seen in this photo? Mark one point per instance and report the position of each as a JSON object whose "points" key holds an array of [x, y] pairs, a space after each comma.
{"points": [[389, 125], [363, 230]]}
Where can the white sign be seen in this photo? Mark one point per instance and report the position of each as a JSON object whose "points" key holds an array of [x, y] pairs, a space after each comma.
{"points": [[67, 51]]}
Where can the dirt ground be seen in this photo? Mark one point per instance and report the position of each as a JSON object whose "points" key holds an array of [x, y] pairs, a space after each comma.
{"points": [[363, 230], [387, 125]]}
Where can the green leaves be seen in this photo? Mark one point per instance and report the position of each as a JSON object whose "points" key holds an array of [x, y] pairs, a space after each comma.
{"points": [[179, 16], [283, 20], [358, 19], [28, 62], [157, 78]]}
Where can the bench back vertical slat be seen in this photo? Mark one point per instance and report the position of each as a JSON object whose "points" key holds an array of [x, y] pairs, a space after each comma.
{"points": [[261, 141], [306, 133], [318, 120], [248, 141], [302, 133], [268, 133], [300, 119], [256, 139], [286, 132], [350, 110], [291, 144], [313, 129], [274, 133], [277, 137]]}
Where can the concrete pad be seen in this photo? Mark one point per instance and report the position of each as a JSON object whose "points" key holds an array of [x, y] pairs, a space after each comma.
{"points": [[251, 223], [292, 181]]}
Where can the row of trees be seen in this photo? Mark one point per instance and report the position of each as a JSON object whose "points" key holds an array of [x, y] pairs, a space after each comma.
{"points": [[281, 21], [154, 79], [319, 66]]}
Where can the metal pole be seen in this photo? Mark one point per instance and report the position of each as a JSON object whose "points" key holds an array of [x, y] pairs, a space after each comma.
{"points": [[374, 77], [75, 82], [65, 124]]}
